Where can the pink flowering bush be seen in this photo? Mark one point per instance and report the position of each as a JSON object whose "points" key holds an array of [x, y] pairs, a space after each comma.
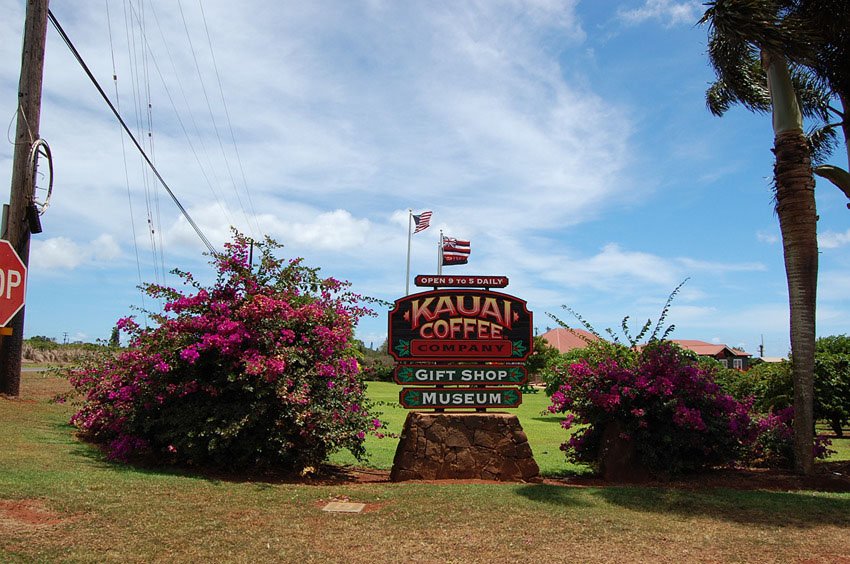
{"points": [[675, 415], [773, 442], [668, 405], [257, 369]]}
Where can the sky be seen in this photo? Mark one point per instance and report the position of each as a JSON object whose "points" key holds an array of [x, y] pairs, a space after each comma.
{"points": [[567, 140]]}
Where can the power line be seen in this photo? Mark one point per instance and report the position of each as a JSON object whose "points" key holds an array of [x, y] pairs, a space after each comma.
{"points": [[219, 200], [124, 156], [229, 123], [94, 81], [212, 115]]}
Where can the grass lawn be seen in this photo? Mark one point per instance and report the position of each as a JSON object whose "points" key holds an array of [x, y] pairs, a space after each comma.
{"points": [[60, 501]]}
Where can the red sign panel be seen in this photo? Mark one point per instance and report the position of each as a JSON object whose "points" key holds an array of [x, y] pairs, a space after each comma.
{"points": [[441, 281], [13, 283], [458, 325]]}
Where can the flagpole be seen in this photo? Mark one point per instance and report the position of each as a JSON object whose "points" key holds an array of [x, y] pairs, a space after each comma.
{"points": [[440, 255], [409, 236]]}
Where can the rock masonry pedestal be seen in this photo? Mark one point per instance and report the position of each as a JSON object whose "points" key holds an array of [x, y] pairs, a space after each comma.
{"points": [[442, 446]]}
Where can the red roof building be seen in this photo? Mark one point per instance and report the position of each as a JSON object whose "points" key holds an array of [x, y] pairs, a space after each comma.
{"points": [[727, 356], [568, 339]]}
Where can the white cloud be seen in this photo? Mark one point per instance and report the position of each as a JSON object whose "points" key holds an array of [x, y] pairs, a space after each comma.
{"points": [[105, 248], [61, 253], [58, 253], [336, 230], [667, 11], [833, 240], [767, 237], [694, 264]]}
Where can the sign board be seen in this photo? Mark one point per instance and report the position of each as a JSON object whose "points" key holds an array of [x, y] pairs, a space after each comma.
{"points": [[448, 398], [13, 283], [487, 374], [463, 281], [460, 325]]}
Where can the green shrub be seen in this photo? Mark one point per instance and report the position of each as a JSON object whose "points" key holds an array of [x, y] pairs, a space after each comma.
{"points": [[258, 369]]}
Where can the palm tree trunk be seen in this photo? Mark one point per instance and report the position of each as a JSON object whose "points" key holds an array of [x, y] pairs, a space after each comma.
{"points": [[795, 206], [845, 124]]}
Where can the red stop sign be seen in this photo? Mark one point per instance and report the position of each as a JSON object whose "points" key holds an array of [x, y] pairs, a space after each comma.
{"points": [[13, 283]]}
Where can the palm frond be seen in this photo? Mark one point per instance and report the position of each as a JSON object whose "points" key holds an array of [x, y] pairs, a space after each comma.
{"points": [[822, 141]]}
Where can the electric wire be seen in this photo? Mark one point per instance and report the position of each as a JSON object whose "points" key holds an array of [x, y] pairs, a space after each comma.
{"points": [[96, 84], [142, 103], [210, 110], [209, 166], [156, 220], [136, 80], [124, 157], [229, 121]]}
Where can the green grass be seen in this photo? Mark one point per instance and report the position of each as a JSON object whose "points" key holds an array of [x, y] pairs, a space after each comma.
{"points": [[61, 501]]}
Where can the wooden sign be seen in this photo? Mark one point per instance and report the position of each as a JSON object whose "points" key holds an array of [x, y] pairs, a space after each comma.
{"points": [[450, 398], [460, 325], [487, 374], [463, 281]]}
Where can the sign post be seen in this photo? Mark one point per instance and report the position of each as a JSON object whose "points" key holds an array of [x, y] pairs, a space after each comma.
{"points": [[461, 346]]}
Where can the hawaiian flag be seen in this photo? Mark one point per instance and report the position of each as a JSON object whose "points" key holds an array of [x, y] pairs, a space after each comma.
{"points": [[422, 221], [455, 251]]}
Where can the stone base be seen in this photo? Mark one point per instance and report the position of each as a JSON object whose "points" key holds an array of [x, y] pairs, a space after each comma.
{"points": [[442, 446]]}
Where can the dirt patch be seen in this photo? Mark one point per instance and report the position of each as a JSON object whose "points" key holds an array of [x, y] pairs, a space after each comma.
{"points": [[23, 514]]}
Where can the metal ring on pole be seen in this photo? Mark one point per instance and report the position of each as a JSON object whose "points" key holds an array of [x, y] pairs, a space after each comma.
{"points": [[40, 147]]}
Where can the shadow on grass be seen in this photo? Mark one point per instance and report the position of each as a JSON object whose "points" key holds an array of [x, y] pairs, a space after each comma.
{"points": [[263, 478], [547, 419], [783, 509], [555, 495], [787, 509]]}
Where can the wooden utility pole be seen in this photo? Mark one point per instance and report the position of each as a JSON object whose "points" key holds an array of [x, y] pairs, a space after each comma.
{"points": [[17, 226]]}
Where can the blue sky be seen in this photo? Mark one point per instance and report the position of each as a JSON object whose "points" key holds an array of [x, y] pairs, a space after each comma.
{"points": [[567, 140]]}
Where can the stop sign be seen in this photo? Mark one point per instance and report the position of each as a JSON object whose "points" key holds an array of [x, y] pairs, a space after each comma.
{"points": [[13, 283]]}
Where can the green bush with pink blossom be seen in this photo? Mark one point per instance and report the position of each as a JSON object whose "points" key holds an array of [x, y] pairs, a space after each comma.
{"points": [[256, 370], [668, 406], [677, 419]]}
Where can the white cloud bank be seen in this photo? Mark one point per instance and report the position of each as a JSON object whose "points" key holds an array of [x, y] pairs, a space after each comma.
{"points": [[669, 12], [61, 253], [833, 240]]}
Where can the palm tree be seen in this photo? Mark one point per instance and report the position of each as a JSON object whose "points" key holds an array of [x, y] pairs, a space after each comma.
{"points": [[749, 48], [815, 37]]}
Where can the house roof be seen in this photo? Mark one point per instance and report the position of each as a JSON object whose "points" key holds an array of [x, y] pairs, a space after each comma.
{"points": [[568, 339], [707, 349]]}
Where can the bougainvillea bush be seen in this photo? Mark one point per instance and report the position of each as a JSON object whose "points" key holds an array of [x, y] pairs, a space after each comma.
{"points": [[257, 369], [667, 404], [676, 417]]}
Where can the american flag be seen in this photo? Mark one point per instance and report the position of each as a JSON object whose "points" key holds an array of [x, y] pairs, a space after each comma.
{"points": [[422, 221]]}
